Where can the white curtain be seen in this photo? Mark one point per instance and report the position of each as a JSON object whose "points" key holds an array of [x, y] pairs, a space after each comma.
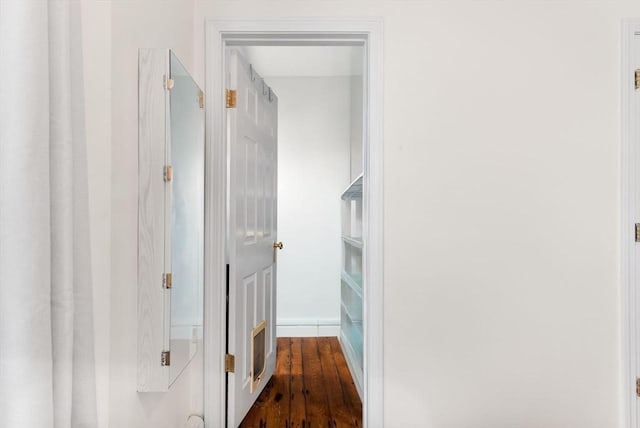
{"points": [[47, 376]]}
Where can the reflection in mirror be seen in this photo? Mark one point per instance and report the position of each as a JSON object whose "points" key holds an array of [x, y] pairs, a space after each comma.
{"points": [[186, 156]]}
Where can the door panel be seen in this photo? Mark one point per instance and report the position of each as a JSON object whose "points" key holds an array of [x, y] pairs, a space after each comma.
{"points": [[252, 133], [269, 308]]}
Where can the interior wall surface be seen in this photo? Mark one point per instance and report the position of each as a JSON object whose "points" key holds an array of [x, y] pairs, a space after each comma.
{"points": [[501, 149], [357, 111], [501, 180], [139, 24], [314, 127]]}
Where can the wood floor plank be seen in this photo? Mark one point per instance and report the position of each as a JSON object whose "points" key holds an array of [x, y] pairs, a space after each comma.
{"points": [[318, 412], [278, 404], [339, 406], [298, 407], [311, 388]]}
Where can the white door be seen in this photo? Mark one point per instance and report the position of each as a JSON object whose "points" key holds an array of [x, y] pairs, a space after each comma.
{"points": [[252, 130]]}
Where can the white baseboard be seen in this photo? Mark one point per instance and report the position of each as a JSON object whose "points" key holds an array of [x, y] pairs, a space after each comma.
{"points": [[307, 328]]}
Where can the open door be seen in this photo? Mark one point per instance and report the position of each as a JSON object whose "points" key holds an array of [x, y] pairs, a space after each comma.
{"points": [[252, 136]]}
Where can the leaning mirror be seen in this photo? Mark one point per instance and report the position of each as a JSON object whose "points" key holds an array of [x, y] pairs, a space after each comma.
{"points": [[170, 219]]}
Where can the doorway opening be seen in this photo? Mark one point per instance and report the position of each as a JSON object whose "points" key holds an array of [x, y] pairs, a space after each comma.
{"points": [[361, 247], [310, 292]]}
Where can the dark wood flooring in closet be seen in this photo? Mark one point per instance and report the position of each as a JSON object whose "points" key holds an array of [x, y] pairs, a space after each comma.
{"points": [[311, 388]]}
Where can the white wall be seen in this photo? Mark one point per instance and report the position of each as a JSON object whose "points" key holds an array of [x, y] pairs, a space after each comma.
{"points": [[357, 111], [305, 61], [113, 32], [314, 126], [501, 210], [501, 214]]}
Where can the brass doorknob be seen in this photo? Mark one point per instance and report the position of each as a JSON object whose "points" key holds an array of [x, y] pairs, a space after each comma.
{"points": [[278, 245]]}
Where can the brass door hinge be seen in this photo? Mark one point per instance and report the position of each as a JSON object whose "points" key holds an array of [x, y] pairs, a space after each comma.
{"points": [[638, 387], [168, 173], [637, 232], [201, 99], [637, 78], [167, 280], [168, 83], [232, 98], [229, 363], [165, 358]]}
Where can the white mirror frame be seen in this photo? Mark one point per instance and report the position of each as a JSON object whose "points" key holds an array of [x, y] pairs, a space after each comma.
{"points": [[153, 298], [155, 371]]}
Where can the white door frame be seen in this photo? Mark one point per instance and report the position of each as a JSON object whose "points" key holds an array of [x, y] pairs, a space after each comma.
{"points": [[310, 31], [630, 214]]}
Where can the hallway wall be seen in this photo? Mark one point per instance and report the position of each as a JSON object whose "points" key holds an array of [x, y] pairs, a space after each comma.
{"points": [[112, 33], [501, 206], [314, 127], [501, 151], [357, 106], [136, 24]]}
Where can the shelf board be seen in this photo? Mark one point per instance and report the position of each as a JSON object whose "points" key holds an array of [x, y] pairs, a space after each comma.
{"points": [[354, 335], [354, 191], [354, 242], [353, 283], [356, 322]]}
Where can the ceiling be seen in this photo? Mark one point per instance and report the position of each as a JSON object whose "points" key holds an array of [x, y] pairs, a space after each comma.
{"points": [[305, 61]]}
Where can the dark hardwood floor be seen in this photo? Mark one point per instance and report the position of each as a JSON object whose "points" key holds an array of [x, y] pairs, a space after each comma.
{"points": [[311, 388]]}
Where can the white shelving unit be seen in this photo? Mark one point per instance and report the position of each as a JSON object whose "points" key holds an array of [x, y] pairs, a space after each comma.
{"points": [[352, 285]]}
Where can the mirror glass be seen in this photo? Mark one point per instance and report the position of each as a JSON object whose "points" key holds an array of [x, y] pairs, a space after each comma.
{"points": [[186, 157]]}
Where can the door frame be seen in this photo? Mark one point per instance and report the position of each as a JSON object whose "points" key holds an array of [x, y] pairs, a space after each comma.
{"points": [[306, 31], [630, 214]]}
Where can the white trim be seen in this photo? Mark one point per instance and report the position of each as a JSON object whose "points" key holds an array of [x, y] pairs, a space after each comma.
{"points": [[215, 213], [287, 31], [629, 207], [306, 327], [308, 330], [307, 321]]}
